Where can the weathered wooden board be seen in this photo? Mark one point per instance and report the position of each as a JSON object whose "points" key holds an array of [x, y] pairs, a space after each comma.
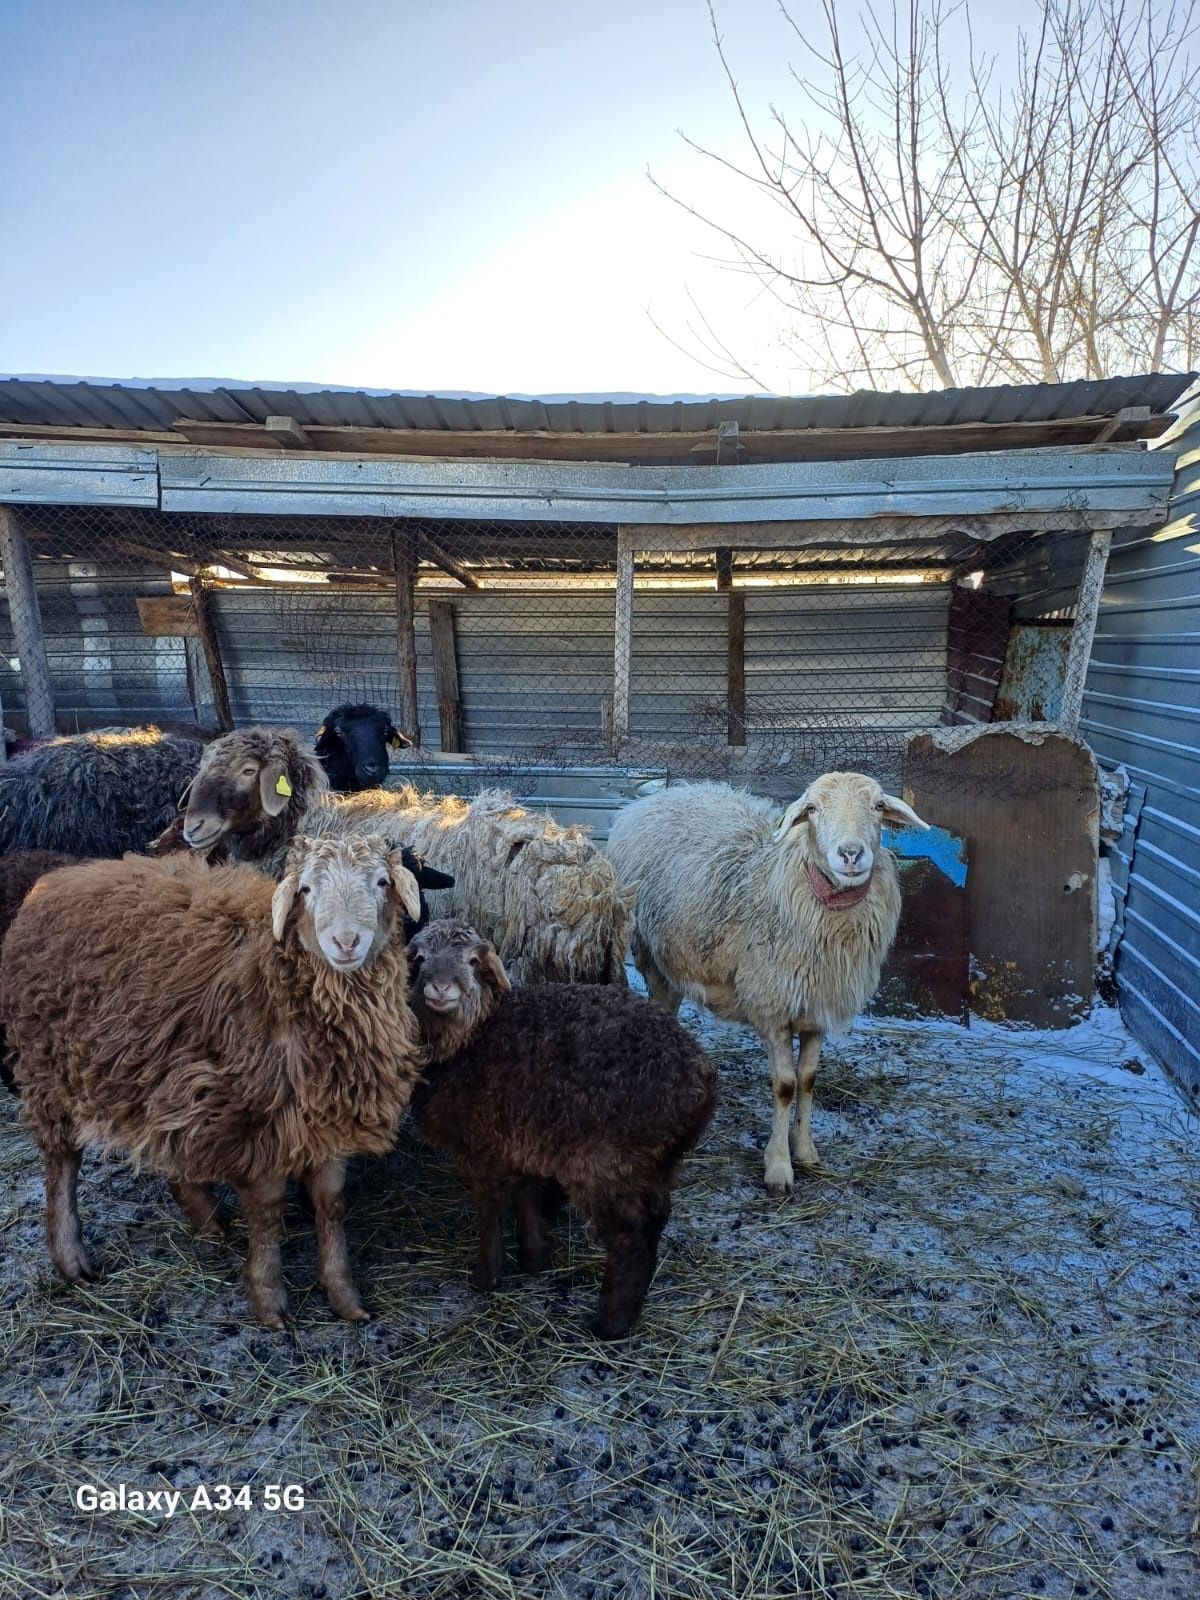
{"points": [[1027, 801], [168, 616], [928, 971]]}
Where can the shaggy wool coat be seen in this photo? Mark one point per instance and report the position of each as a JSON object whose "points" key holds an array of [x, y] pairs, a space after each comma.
{"points": [[95, 794], [18, 874], [148, 1007], [729, 913], [545, 895], [589, 1085]]}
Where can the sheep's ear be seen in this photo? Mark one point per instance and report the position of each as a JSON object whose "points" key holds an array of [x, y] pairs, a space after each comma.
{"points": [[281, 903], [491, 969], [396, 739], [431, 878], [903, 816], [274, 787], [405, 885], [796, 812]]}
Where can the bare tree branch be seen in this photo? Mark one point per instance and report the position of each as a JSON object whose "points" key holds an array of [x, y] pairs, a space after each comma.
{"points": [[928, 223]]}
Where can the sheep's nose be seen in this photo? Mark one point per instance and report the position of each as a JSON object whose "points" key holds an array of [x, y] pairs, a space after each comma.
{"points": [[371, 769], [441, 994], [851, 854], [347, 943]]}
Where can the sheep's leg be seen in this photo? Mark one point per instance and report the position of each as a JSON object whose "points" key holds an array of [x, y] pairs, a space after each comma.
{"points": [[779, 1177], [533, 1248], [199, 1204], [63, 1233], [658, 985], [630, 1232], [262, 1203], [491, 1199], [325, 1185], [804, 1150]]}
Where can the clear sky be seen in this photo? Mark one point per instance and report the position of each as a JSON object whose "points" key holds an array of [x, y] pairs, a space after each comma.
{"points": [[392, 193]]}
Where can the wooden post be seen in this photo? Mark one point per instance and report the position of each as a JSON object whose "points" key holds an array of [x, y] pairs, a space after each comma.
{"points": [[445, 675], [735, 650], [622, 643], [1083, 634], [212, 652], [27, 625], [735, 668], [404, 564]]}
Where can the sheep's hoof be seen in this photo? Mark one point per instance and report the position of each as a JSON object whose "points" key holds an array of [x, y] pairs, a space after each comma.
{"points": [[483, 1278], [806, 1156], [271, 1310], [348, 1309], [608, 1331], [75, 1267], [779, 1180]]}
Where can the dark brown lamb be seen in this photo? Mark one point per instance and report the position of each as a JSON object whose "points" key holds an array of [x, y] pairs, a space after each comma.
{"points": [[587, 1088]]}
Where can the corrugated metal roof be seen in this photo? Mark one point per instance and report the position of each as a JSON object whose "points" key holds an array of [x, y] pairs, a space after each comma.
{"points": [[157, 404]]}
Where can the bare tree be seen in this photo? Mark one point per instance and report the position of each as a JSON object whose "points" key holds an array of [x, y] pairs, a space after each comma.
{"points": [[941, 225]]}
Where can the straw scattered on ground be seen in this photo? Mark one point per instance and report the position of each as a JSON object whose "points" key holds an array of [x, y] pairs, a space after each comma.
{"points": [[961, 1362]]}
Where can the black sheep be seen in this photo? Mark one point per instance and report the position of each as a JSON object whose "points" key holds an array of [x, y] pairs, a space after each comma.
{"points": [[352, 745], [95, 794]]}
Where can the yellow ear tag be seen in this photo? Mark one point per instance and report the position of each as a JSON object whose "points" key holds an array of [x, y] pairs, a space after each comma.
{"points": [[282, 786], [396, 742]]}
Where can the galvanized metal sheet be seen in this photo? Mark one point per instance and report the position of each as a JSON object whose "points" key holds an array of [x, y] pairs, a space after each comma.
{"points": [[1142, 711], [105, 475], [100, 402]]}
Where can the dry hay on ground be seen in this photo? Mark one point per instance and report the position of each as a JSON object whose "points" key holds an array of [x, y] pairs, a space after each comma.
{"points": [[964, 1365]]}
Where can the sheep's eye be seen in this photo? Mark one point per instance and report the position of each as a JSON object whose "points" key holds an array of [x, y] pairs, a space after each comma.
{"points": [[249, 772], [304, 889], [383, 883], [879, 805], [474, 961]]}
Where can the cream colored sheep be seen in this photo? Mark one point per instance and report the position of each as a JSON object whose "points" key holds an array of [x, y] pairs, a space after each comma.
{"points": [[782, 924], [546, 895]]}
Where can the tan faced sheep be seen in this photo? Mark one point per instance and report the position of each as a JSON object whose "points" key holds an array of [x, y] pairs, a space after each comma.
{"points": [[783, 924], [545, 894], [216, 1026]]}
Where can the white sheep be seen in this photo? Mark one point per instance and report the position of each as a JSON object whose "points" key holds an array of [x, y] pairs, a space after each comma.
{"points": [[782, 924]]}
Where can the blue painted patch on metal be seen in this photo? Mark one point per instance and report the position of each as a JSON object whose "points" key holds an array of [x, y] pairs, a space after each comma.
{"points": [[948, 854]]}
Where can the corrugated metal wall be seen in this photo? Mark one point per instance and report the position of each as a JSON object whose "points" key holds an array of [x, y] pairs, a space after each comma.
{"points": [[535, 666], [101, 663], [1142, 710]]}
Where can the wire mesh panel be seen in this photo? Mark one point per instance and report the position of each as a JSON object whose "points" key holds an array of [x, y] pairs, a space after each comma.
{"points": [[508, 643]]}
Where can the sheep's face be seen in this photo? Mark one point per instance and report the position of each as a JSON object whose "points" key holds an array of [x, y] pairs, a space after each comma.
{"points": [[352, 744], [841, 816], [243, 778], [346, 896], [456, 975]]}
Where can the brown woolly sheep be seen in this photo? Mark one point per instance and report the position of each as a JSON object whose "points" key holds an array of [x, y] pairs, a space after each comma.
{"points": [[585, 1087], [547, 896], [216, 1026], [18, 874]]}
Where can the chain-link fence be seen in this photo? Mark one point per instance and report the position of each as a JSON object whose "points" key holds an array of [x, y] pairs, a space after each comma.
{"points": [[517, 645]]}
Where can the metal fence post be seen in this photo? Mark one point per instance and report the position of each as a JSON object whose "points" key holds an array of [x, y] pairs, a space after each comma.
{"points": [[622, 643], [27, 625]]}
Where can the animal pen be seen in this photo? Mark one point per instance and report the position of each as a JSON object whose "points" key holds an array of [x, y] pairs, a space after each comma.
{"points": [[961, 1363]]}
